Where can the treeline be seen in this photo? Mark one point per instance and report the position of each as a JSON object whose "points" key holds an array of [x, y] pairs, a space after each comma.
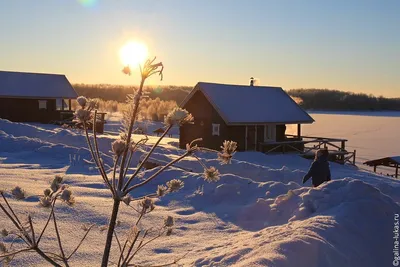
{"points": [[119, 92], [310, 99], [324, 99]]}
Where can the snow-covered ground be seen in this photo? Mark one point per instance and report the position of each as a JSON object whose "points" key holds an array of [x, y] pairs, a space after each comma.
{"points": [[258, 214]]}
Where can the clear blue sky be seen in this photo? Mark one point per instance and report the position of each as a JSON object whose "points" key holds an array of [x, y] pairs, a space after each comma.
{"points": [[351, 45]]}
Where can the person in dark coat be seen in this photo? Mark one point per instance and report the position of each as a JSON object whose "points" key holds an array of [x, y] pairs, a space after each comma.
{"points": [[319, 170]]}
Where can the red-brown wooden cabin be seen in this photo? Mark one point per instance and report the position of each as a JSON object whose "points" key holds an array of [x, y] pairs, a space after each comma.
{"points": [[35, 97], [253, 116]]}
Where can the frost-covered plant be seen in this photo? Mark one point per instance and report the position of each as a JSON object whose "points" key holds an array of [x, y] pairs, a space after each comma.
{"points": [[18, 192], [26, 232], [82, 101], [178, 116], [228, 150], [121, 184], [211, 174]]}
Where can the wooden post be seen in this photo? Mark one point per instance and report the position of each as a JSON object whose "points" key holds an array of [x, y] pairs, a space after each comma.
{"points": [[299, 131], [374, 168], [343, 145], [397, 170], [245, 140], [343, 148], [69, 102], [354, 158]]}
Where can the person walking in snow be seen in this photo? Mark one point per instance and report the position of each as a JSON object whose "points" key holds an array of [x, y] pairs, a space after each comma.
{"points": [[319, 170]]}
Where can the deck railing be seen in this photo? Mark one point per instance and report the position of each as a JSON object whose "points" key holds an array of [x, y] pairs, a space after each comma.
{"points": [[307, 145]]}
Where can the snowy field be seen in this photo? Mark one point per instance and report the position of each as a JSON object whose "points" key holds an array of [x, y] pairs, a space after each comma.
{"points": [[258, 214]]}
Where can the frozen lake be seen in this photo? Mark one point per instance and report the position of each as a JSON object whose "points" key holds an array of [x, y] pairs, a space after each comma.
{"points": [[372, 134]]}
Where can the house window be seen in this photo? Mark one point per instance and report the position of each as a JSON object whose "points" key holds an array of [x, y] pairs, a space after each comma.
{"points": [[215, 129], [269, 132], [59, 104], [42, 104]]}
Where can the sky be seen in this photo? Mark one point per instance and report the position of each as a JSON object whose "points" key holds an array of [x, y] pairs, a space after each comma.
{"points": [[335, 44]]}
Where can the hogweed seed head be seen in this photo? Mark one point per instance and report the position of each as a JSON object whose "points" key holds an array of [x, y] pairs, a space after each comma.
{"points": [[147, 204], [82, 101], [83, 115], [162, 190], [55, 184], [211, 174], [118, 147], [67, 196], [127, 70], [174, 185], [47, 192], [18, 193], [178, 116], [59, 179], [228, 150]]}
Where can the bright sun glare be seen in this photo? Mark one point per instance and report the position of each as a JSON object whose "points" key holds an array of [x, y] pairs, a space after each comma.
{"points": [[133, 54]]}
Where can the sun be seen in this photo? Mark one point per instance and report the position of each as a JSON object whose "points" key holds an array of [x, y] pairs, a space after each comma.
{"points": [[133, 53]]}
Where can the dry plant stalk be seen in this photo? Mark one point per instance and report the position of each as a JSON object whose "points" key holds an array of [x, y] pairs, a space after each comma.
{"points": [[119, 182]]}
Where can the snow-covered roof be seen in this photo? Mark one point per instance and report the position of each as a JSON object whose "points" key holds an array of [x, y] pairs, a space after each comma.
{"points": [[35, 85], [243, 104], [388, 161]]}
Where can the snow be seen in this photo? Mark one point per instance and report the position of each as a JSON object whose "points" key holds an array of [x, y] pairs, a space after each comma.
{"points": [[38, 85], [257, 214], [260, 104]]}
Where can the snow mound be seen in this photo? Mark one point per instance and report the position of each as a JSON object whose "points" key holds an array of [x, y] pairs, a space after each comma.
{"points": [[23, 129], [339, 224]]}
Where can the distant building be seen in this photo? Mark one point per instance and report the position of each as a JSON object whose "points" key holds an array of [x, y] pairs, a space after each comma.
{"points": [[392, 162], [35, 97], [253, 116]]}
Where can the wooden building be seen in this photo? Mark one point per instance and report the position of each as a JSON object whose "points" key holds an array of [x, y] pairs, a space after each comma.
{"points": [[35, 97], [392, 162], [253, 116]]}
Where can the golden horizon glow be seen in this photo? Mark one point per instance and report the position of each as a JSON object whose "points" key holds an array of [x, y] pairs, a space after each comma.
{"points": [[133, 54]]}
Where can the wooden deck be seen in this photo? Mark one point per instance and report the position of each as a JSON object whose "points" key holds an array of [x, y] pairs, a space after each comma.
{"points": [[307, 145]]}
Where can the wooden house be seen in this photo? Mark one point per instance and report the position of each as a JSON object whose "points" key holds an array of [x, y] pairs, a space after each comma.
{"points": [[253, 116], [35, 97]]}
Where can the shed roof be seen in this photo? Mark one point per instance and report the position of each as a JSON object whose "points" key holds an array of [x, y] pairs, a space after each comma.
{"points": [[243, 104], [35, 85], [388, 161]]}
